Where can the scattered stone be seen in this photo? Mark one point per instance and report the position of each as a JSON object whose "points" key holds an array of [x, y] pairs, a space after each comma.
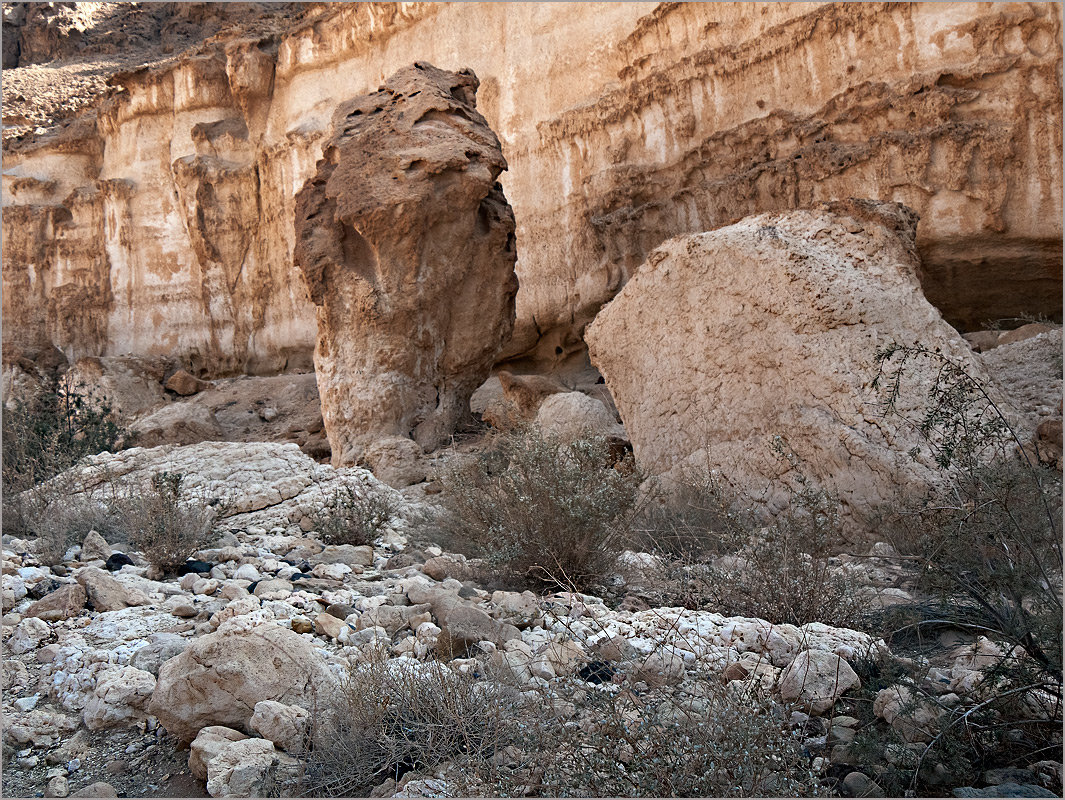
{"points": [[120, 698], [1004, 790], [116, 561], [328, 625], [284, 725], [858, 784], [29, 633], [243, 768], [912, 718], [209, 742], [441, 568], [95, 547], [184, 384], [397, 461], [97, 789], [106, 593], [572, 415], [65, 602], [161, 648]]}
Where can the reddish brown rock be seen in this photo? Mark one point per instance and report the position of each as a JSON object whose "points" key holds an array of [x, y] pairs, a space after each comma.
{"points": [[407, 246], [181, 382]]}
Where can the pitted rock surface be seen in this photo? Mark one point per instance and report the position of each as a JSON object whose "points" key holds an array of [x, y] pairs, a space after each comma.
{"points": [[414, 305]]}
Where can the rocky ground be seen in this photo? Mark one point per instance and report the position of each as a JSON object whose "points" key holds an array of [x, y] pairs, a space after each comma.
{"points": [[112, 669]]}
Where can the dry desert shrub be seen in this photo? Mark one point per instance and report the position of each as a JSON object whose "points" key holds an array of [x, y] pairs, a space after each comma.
{"points": [[545, 513], [395, 716], [353, 518], [726, 559]]}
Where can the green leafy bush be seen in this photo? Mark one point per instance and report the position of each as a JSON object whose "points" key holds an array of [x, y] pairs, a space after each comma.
{"points": [[50, 432]]}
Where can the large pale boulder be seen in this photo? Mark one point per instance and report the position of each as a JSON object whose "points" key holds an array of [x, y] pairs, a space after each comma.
{"points": [[815, 680], [220, 677], [407, 246], [571, 415], [752, 350]]}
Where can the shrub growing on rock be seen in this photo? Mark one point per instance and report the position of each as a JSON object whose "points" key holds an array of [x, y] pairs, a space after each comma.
{"points": [[546, 512], [986, 542], [161, 524], [353, 518]]}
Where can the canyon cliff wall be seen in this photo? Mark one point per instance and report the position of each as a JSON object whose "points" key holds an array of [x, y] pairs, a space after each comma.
{"points": [[160, 221]]}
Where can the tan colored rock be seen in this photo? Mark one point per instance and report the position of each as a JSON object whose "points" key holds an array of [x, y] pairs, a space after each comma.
{"points": [[394, 618], [574, 415], [815, 680], [913, 718], [1024, 332], [97, 789], [464, 625], [328, 625], [246, 768], [178, 423], [95, 547], [397, 461], [769, 328], [982, 341], [417, 305], [440, 568], [65, 602], [181, 382], [285, 726], [520, 398], [120, 698], [625, 124], [209, 742], [220, 677], [107, 593]]}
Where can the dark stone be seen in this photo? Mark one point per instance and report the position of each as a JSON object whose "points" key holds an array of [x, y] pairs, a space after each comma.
{"points": [[596, 672], [340, 610], [117, 561], [42, 588], [199, 567]]}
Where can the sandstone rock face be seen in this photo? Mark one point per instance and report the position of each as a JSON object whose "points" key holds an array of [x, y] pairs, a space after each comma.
{"points": [[221, 676], [413, 306], [770, 328], [161, 220]]}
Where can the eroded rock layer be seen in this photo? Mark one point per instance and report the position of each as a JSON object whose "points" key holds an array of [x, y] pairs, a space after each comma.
{"points": [[162, 221], [406, 243]]}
